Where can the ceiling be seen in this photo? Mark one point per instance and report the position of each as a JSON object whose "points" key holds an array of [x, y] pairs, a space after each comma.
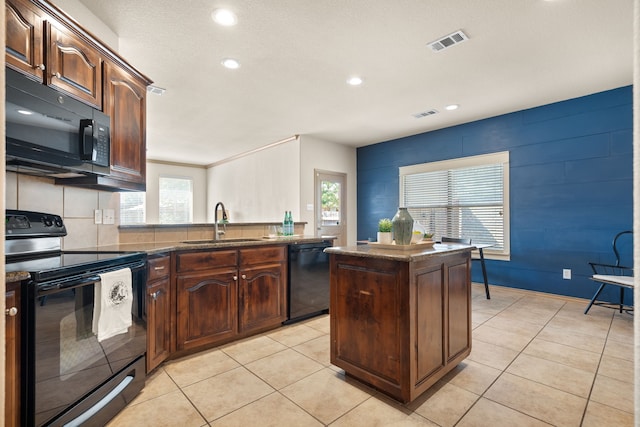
{"points": [[296, 56]]}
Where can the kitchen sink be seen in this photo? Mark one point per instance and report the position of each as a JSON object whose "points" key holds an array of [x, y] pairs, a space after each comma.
{"points": [[211, 241]]}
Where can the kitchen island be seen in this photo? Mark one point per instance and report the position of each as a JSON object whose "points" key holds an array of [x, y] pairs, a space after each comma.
{"points": [[400, 319]]}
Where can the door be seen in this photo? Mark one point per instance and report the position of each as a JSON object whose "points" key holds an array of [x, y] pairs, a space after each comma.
{"points": [[331, 205]]}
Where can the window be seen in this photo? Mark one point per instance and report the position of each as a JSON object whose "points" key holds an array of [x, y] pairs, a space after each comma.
{"points": [[132, 208], [466, 197], [176, 200]]}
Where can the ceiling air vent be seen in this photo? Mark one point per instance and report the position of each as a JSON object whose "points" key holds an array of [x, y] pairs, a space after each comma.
{"points": [[156, 90], [425, 114], [448, 41]]}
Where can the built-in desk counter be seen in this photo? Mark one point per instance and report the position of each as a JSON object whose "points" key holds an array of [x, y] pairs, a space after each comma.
{"points": [[400, 320]]}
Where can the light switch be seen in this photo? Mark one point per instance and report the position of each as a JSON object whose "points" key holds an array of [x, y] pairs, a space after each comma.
{"points": [[310, 207], [108, 217], [97, 216]]}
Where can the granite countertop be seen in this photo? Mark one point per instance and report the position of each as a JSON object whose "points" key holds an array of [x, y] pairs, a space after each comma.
{"points": [[160, 247], [163, 247], [413, 253]]}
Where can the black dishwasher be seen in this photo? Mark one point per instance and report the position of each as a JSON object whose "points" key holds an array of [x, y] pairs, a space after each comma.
{"points": [[308, 287]]}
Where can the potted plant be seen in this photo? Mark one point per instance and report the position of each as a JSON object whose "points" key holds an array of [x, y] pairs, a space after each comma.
{"points": [[384, 231], [427, 236]]}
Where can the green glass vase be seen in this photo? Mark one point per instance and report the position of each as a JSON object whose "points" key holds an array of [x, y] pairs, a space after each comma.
{"points": [[402, 227]]}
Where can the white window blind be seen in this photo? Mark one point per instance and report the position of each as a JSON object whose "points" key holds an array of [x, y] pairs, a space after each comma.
{"points": [[132, 208], [176, 200], [465, 197]]}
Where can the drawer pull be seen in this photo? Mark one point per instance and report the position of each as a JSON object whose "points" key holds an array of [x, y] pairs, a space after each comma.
{"points": [[366, 292], [11, 311], [158, 268]]}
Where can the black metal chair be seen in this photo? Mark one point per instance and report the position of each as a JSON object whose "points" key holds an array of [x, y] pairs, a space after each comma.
{"points": [[612, 275], [464, 241]]}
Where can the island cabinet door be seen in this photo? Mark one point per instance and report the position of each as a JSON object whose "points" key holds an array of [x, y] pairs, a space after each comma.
{"points": [[430, 321], [207, 306], [367, 312], [261, 297], [458, 279]]}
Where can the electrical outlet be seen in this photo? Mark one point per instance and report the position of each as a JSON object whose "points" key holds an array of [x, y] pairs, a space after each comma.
{"points": [[566, 273], [108, 217], [97, 216]]}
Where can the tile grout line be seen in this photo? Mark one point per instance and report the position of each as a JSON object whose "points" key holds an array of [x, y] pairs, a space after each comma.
{"points": [[508, 365]]}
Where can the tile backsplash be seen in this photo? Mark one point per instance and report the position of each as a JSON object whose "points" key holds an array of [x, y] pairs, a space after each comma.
{"points": [[75, 205]]}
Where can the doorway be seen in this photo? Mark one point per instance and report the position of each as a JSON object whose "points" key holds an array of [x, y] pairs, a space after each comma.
{"points": [[331, 205]]}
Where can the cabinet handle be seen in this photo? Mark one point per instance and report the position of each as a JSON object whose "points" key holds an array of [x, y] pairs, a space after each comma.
{"points": [[158, 268], [244, 276], [235, 278], [11, 311], [155, 295], [57, 75], [40, 66]]}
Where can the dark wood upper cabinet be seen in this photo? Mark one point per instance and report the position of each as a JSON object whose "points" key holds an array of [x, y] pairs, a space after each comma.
{"points": [[125, 103], [48, 46], [74, 66], [24, 38]]}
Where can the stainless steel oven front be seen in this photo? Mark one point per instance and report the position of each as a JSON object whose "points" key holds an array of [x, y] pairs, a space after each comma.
{"points": [[71, 377]]}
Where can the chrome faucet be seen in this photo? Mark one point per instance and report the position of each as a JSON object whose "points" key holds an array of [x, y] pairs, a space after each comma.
{"points": [[218, 233]]}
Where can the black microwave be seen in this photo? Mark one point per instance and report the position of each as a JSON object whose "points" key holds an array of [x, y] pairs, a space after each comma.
{"points": [[51, 134]]}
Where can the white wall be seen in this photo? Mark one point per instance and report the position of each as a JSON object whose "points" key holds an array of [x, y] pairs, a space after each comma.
{"points": [[261, 186], [197, 173], [87, 19], [332, 157], [258, 187]]}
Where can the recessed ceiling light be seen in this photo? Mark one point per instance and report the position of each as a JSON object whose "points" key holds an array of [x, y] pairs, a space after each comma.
{"points": [[355, 81], [230, 63], [25, 112], [452, 107], [224, 17]]}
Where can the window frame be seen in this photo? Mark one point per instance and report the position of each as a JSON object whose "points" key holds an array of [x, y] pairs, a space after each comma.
{"points": [[469, 162]]}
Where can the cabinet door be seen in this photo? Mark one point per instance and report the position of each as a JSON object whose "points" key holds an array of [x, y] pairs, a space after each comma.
{"points": [[262, 299], [125, 103], [74, 66], [206, 304], [12, 361], [367, 328], [158, 322], [459, 308], [24, 45]]}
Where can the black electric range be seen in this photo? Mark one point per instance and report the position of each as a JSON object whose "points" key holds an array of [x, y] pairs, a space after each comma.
{"points": [[59, 342]]}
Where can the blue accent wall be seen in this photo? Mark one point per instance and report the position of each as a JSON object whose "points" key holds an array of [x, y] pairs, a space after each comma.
{"points": [[570, 185]]}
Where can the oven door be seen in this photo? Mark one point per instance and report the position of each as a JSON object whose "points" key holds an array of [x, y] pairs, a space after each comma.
{"points": [[71, 373]]}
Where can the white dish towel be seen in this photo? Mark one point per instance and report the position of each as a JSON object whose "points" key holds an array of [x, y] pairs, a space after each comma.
{"points": [[112, 304]]}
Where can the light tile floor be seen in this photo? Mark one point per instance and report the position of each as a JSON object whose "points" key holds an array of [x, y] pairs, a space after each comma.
{"points": [[536, 360]]}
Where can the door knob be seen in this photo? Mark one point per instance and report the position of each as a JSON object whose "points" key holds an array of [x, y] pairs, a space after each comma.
{"points": [[11, 311]]}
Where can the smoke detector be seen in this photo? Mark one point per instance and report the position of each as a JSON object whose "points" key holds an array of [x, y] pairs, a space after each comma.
{"points": [[448, 41]]}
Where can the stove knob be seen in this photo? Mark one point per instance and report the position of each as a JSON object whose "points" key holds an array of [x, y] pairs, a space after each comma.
{"points": [[47, 221], [58, 221]]}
